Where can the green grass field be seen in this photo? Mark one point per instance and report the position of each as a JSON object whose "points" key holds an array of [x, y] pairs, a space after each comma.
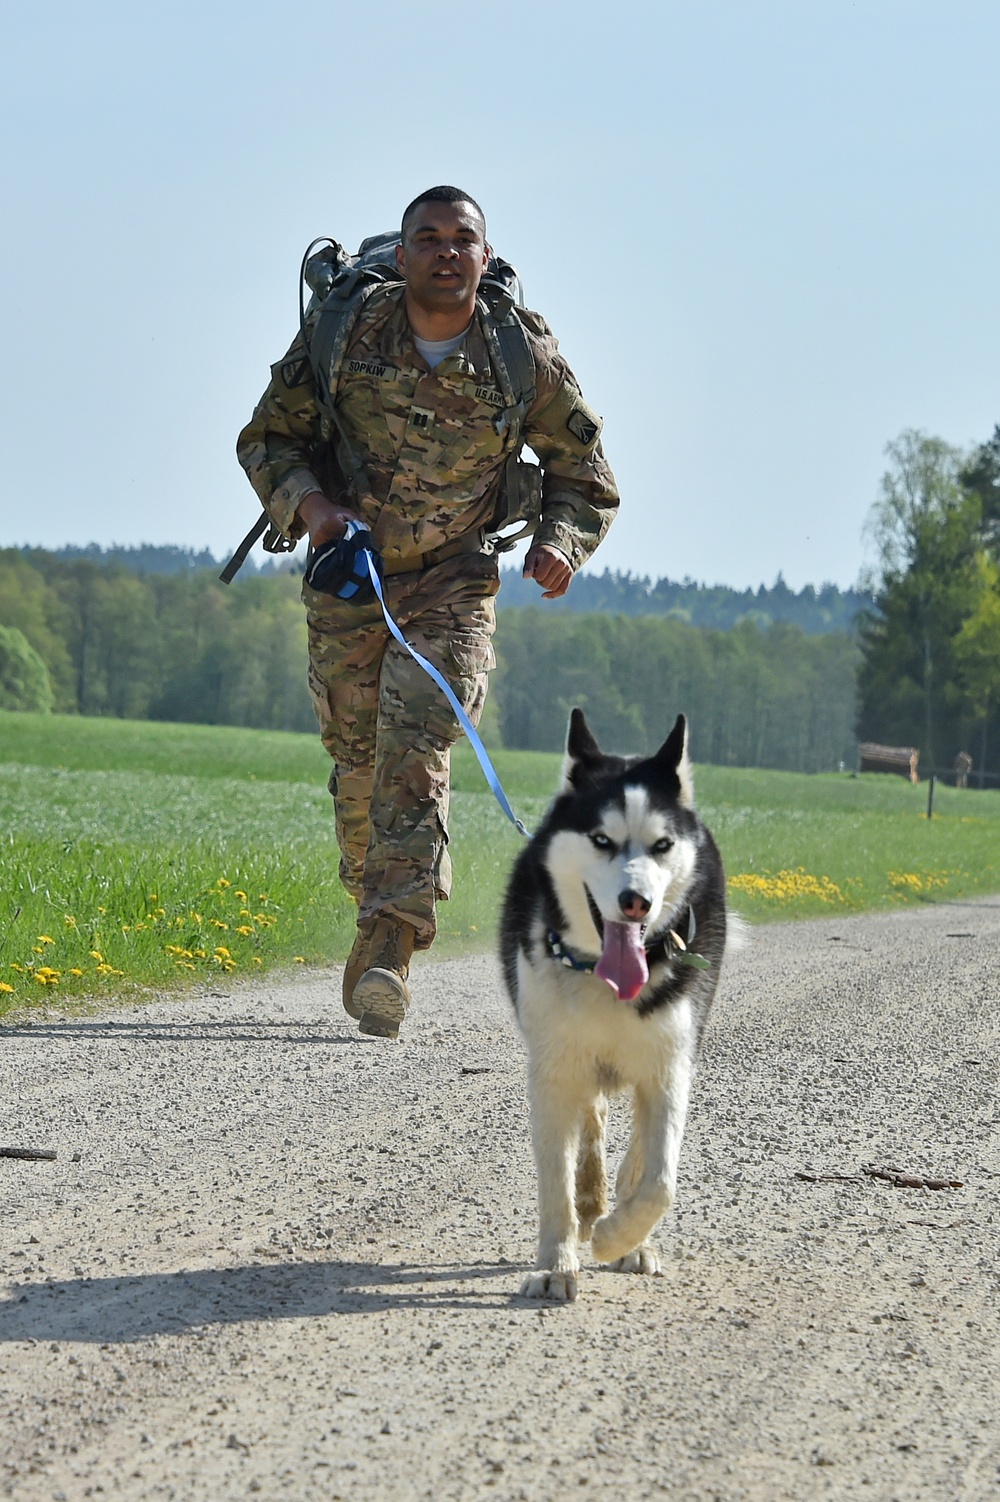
{"points": [[136, 855]]}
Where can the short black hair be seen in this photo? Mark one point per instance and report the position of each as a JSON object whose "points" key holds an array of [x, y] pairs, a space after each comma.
{"points": [[442, 194]]}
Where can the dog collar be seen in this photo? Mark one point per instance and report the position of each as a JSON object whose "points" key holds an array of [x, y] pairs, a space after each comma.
{"points": [[662, 946], [558, 951]]}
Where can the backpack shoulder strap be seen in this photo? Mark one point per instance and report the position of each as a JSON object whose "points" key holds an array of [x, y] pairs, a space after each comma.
{"points": [[342, 285], [515, 349], [510, 350]]}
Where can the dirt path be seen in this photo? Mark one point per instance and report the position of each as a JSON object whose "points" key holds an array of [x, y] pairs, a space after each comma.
{"points": [[273, 1259]]}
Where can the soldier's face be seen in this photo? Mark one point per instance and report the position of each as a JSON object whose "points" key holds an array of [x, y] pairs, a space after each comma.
{"points": [[443, 254]]}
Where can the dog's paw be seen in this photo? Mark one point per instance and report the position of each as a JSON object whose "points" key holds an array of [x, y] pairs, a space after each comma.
{"points": [[642, 1260], [558, 1288], [608, 1241]]}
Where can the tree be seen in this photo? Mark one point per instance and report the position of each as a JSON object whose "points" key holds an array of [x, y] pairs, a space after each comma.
{"points": [[977, 650], [24, 678], [927, 529], [981, 476]]}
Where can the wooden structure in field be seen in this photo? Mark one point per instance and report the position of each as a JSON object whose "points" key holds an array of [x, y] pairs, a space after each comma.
{"points": [[899, 759]]}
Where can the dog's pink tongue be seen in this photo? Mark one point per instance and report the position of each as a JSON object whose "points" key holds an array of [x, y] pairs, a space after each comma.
{"points": [[623, 960]]}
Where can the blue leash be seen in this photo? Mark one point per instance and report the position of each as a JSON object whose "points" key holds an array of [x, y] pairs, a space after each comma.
{"points": [[482, 756]]}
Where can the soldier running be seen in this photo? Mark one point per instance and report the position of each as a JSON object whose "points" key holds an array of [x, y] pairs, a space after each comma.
{"points": [[418, 458]]}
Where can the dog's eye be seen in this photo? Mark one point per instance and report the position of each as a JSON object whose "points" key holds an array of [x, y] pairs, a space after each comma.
{"points": [[661, 847], [601, 841]]}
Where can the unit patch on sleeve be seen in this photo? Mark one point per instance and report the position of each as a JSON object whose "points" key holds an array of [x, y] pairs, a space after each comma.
{"points": [[295, 373], [583, 426]]}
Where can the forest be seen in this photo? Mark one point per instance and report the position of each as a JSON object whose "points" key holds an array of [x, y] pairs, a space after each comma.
{"points": [[769, 678], [104, 639]]}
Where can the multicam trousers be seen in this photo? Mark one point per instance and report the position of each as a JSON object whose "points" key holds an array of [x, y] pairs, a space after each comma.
{"points": [[390, 729]]}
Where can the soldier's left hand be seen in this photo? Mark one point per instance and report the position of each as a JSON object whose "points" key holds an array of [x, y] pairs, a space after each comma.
{"points": [[549, 568]]}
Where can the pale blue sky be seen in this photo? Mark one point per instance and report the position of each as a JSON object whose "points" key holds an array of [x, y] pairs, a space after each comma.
{"points": [[765, 233]]}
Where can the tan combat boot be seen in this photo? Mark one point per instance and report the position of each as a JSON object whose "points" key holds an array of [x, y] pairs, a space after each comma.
{"points": [[357, 964], [382, 995]]}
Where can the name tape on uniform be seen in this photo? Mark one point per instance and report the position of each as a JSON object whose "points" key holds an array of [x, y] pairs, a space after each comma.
{"points": [[371, 368], [490, 395]]}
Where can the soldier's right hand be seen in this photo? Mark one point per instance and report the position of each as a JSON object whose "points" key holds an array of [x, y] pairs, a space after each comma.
{"points": [[325, 521]]}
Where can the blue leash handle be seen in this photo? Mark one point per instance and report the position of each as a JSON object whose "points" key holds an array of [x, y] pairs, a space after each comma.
{"points": [[482, 756]]}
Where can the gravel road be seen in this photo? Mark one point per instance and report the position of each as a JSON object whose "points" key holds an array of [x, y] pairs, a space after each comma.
{"points": [[274, 1259]]}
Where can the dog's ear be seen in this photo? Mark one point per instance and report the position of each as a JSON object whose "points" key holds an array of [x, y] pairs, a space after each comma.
{"points": [[582, 752], [672, 759]]}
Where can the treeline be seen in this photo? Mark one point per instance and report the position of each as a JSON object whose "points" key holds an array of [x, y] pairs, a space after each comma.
{"points": [[181, 646], [715, 606], [156, 558], [610, 593], [753, 697]]}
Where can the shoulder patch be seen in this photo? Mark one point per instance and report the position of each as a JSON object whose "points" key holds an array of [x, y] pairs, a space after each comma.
{"points": [[584, 425], [296, 372]]}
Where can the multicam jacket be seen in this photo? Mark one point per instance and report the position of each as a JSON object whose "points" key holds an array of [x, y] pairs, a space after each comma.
{"points": [[427, 447]]}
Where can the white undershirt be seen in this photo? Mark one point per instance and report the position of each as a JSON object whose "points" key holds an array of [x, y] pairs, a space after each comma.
{"points": [[436, 350]]}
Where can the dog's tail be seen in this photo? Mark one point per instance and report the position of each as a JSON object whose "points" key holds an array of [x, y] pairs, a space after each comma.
{"points": [[738, 934]]}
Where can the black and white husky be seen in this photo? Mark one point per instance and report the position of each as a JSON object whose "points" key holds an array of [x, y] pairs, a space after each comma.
{"points": [[612, 935]]}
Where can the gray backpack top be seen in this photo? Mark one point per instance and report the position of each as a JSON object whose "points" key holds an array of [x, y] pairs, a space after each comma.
{"points": [[340, 285]]}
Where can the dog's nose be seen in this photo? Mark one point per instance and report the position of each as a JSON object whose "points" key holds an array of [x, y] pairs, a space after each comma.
{"points": [[633, 905]]}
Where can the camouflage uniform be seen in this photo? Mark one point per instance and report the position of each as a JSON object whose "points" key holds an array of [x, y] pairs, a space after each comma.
{"points": [[426, 454]]}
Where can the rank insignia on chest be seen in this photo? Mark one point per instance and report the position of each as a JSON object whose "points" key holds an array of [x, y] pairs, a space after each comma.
{"points": [[421, 418]]}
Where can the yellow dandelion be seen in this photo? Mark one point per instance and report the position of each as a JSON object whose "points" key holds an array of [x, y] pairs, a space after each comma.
{"points": [[222, 950], [244, 928], [69, 920], [218, 923], [15, 966], [223, 883], [786, 886], [5, 989], [95, 954], [255, 961], [47, 977], [153, 897], [299, 959], [75, 971], [241, 895], [45, 939]]}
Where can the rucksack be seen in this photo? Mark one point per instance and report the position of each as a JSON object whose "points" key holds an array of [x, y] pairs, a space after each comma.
{"points": [[340, 285]]}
